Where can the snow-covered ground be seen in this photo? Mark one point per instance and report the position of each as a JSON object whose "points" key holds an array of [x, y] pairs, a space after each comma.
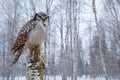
{"points": [[78, 78], [60, 78]]}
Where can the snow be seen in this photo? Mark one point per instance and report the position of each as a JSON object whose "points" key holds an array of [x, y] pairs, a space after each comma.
{"points": [[58, 77], [16, 78]]}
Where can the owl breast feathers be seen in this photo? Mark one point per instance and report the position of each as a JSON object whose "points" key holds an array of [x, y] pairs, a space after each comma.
{"points": [[32, 33]]}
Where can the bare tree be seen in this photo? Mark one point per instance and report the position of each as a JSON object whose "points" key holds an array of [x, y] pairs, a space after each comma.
{"points": [[99, 36]]}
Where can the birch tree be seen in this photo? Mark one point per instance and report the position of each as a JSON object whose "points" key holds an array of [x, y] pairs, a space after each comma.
{"points": [[99, 36]]}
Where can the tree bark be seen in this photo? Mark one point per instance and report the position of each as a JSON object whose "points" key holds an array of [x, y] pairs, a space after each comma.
{"points": [[99, 36], [35, 69]]}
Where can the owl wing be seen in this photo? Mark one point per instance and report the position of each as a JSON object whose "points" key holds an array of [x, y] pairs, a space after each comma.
{"points": [[23, 36]]}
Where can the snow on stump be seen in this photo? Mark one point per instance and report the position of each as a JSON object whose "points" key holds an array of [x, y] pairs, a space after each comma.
{"points": [[36, 66]]}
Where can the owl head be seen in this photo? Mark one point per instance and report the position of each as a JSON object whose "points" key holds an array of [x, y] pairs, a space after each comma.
{"points": [[41, 16]]}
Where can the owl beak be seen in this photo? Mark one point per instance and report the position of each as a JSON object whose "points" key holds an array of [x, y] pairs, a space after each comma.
{"points": [[47, 17]]}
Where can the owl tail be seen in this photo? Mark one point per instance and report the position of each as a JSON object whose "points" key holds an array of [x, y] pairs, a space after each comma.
{"points": [[16, 58]]}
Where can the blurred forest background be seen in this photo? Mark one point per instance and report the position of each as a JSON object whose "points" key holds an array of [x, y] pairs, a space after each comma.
{"points": [[83, 37]]}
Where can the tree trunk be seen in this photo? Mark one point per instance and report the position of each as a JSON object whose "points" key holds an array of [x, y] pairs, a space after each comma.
{"points": [[36, 66], [99, 36]]}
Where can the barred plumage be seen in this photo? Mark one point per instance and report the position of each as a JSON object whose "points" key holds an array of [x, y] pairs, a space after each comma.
{"points": [[32, 33]]}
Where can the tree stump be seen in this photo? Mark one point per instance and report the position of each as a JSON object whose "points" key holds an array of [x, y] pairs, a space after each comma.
{"points": [[36, 66]]}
